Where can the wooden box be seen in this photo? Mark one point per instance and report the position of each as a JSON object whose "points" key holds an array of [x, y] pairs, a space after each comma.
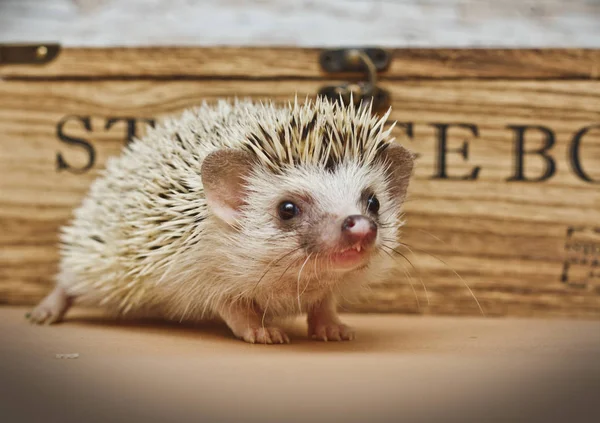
{"points": [[506, 197]]}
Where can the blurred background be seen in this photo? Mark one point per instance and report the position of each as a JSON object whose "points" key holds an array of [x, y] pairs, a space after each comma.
{"points": [[397, 23]]}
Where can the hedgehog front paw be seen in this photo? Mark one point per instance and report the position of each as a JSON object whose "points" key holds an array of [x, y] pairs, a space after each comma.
{"points": [[331, 332], [267, 335], [246, 323], [51, 309]]}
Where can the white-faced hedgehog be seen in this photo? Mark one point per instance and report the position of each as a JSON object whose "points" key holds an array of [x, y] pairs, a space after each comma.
{"points": [[242, 211]]}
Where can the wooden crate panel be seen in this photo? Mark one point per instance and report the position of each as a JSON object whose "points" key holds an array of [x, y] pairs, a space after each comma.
{"points": [[521, 230]]}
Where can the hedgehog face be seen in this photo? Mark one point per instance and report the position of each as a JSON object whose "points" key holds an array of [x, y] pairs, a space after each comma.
{"points": [[337, 219], [309, 217]]}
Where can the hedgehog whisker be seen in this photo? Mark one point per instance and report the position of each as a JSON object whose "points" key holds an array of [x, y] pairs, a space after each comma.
{"points": [[400, 254], [345, 309], [453, 271], [316, 260], [418, 272], [298, 282], [393, 206], [432, 235], [316, 274], [414, 268], [412, 286], [387, 226], [262, 321], [274, 263], [387, 252], [295, 261], [287, 268], [408, 276], [338, 292]]}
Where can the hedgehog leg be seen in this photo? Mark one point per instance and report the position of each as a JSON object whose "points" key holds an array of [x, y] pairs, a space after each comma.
{"points": [[246, 323], [324, 323], [52, 308]]}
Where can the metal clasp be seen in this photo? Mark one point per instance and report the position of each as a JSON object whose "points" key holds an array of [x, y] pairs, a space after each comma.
{"points": [[28, 54], [369, 61]]}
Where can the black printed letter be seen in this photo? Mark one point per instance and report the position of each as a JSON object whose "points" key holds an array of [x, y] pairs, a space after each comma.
{"points": [[442, 138], [575, 154], [131, 125], [60, 161], [542, 152]]}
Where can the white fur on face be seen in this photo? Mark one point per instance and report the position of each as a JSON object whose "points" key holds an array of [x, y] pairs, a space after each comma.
{"points": [[326, 198]]}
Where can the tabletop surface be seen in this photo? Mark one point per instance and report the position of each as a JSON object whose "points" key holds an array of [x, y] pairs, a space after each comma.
{"points": [[414, 368]]}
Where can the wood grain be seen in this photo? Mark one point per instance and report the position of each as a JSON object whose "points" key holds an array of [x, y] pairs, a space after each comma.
{"points": [[284, 63], [505, 239]]}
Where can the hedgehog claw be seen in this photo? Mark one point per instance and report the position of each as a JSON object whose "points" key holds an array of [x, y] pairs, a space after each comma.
{"points": [[331, 332], [268, 335]]}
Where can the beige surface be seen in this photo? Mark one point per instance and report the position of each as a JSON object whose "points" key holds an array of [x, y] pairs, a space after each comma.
{"points": [[400, 367]]}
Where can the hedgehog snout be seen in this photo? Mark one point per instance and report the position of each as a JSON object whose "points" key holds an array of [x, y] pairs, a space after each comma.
{"points": [[359, 230]]}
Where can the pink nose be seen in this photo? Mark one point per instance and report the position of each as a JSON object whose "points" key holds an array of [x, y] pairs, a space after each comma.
{"points": [[358, 228]]}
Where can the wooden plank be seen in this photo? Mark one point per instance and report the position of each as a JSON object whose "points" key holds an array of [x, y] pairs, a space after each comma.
{"points": [[505, 239], [179, 63]]}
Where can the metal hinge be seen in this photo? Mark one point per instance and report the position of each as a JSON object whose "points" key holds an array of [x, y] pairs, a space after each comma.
{"points": [[352, 60], [28, 54]]}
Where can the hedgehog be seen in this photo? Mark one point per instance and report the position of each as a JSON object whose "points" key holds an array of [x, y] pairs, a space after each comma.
{"points": [[242, 211]]}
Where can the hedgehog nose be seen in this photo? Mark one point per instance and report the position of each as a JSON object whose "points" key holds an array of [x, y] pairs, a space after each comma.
{"points": [[358, 228]]}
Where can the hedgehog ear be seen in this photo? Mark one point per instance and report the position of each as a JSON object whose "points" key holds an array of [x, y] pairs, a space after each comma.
{"points": [[399, 163], [224, 175]]}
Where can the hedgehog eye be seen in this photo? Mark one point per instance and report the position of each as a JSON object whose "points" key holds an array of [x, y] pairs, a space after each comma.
{"points": [[373, 204], [288, 210]]}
